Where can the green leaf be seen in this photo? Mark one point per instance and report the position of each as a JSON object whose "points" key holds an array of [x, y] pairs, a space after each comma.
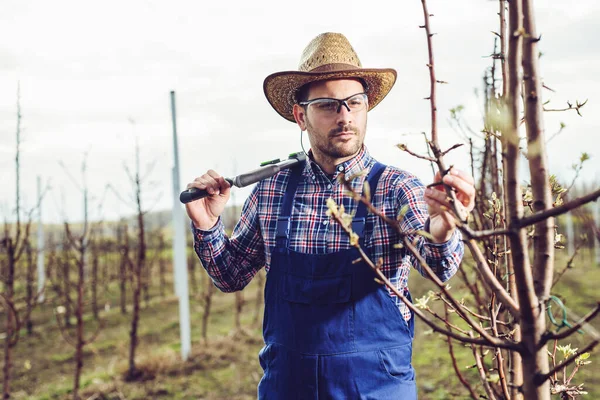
{"points": [[493, 378], [367, 190], [584, 157], [584, 356], [403, 212], [425, 234]]}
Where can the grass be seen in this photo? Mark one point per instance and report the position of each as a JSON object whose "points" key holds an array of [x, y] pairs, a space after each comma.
{"points": [[227, 366]]}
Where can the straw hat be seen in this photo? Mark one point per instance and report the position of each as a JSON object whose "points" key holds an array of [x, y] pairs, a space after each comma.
{"points": [[328, 56]]}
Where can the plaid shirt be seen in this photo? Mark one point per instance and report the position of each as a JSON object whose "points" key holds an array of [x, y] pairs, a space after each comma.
{"points": [[233, 262]]}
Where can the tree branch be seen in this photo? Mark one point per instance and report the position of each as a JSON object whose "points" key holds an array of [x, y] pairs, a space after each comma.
{"points": [[564, 334], [482, 342], [403, 147], [542, 215], [541, 378]]}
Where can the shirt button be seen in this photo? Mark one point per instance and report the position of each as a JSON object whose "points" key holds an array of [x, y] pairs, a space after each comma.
{"points": [[326, 222], [340, 168], [329, 186]]}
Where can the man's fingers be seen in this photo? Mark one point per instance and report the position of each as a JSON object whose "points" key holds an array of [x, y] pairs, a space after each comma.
{"points": [[466, 191], [462, 175], [436, 198], [212, 182]]}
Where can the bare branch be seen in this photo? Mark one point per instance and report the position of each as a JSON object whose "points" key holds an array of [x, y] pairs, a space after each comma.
{"points": [[456, 146], [471, 234], [575, 107], [12, 309], [62, 330], [118, 196], [542, 215], [444, 290], [482, 374], [64, 167], [566, 333], [541, 378], [96, 333], [457, 371], [483, 342], [403, 147]]}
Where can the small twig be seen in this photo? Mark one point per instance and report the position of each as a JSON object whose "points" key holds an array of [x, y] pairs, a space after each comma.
{"points": [[403, 147], [456, 146], [481, 317], [576, 107], [482, 374], [566, 333], [431, 163], [62, 330], [569, 264], [542, 215], [541, 378], [96, 333], [12, 309], [494, 342], [457, 371], [446, 321], [471, 234]]}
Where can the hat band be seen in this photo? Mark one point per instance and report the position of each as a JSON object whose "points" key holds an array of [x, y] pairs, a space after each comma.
{"points": [[334, 67]]}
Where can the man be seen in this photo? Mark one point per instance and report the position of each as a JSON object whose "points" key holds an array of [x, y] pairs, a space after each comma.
{"points": [[331, 331]]}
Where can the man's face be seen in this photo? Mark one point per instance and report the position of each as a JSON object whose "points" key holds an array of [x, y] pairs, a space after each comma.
{"points": [[334, 137]]}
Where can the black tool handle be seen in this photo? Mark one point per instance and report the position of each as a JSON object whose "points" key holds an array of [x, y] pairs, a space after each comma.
{"points": [[246, 179], [257, 175], [192, 194]]}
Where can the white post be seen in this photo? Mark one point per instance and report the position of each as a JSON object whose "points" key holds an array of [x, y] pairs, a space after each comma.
{"points": [[597, 221], [177, 216], [40, 246], [179, 249]]}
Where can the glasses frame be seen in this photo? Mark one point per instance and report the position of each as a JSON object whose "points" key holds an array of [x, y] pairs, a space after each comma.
{"points": [[341, 102]]}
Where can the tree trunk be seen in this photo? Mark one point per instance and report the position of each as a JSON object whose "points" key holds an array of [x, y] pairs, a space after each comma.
{"points": [[239, 305], [79, 316], [124, 245], [192, 272], [162, 265], [94, 285], [30, 295], [147, 280], [137, 276], [259, 298], [535, 358], [208, 293], [66, 259], [8, 294]]}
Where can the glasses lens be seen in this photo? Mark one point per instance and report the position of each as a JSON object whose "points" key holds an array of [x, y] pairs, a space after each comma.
{"points": [[357, 103], [325, 106]]}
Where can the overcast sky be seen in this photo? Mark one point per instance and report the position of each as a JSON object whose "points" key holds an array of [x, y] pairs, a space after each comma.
{"points": [[93, 75]]}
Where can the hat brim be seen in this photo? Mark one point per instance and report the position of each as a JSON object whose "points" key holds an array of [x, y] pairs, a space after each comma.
{"points": [[280, 88]]}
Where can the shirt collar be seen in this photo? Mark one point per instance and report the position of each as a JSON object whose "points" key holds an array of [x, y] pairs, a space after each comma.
{"points": [[361, 161]]}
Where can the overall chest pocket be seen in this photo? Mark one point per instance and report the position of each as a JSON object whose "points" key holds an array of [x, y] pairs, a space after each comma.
{"points": [[317, 289]]}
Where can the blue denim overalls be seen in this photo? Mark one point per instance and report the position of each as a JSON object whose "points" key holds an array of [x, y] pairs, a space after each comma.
{"points": [[331, 331]]}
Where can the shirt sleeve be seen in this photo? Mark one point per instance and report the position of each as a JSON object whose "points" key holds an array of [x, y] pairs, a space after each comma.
{"points": [[443, 258], [232, 262]]}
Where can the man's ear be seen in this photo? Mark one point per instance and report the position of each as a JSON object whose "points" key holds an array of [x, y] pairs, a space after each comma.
{"points": [[300, 116]]}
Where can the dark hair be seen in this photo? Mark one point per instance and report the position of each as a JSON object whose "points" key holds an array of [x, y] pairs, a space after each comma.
{"points": [[302, 91]]}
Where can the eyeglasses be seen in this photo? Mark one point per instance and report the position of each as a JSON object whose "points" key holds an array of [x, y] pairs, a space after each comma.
{"points": [[327, 106]]}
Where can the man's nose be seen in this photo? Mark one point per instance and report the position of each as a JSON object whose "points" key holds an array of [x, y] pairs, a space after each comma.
{"points": [[343, 116]]}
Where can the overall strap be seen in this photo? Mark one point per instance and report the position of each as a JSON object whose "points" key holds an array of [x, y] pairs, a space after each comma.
{"points": [[283, 220], [358, 222]]}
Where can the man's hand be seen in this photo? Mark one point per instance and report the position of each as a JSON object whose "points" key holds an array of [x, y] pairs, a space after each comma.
{"points": [[441, 221], [205, 212]]}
